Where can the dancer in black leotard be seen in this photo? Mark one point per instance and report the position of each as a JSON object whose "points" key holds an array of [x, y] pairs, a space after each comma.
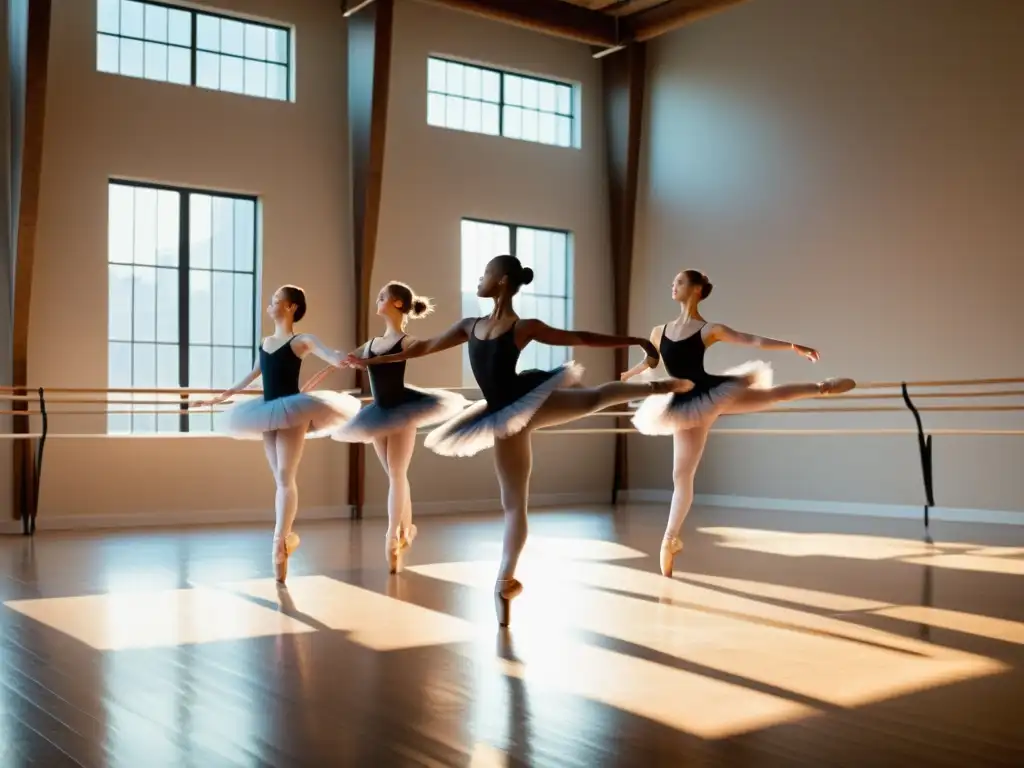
{"points": [[515, 404], [390, 421], [689, 416], [284, 417]]}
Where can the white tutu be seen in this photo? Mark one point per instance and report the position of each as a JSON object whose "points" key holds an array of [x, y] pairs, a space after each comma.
{"points": [[477, 427], [670, 413], [323, 411], [420, 408]]}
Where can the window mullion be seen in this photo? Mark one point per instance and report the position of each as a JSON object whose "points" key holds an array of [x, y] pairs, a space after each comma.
{"points": [[184, 267]]}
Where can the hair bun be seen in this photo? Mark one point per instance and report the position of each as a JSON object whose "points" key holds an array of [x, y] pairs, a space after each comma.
{"points": [[707, 290], [527, 275], [421, 306]]}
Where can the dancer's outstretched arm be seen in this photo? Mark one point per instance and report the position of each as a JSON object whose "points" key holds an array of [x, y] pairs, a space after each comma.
{"points": [[308, 344], [535, 330], [724, 333], [644, 364], [457, 334], [249, 378], [324, 372]]}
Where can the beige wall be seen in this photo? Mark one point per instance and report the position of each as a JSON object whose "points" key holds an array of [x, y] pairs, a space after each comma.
{"points": [[293, 155], [849, 174], [433, 177]]}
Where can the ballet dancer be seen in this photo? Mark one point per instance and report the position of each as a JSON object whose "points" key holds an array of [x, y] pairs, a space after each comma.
{"points": [[688, 416], [391, 420], [516, 404], [284, 417]]}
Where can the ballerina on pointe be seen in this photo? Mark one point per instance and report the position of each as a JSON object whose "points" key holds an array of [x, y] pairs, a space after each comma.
{"points": [[688, 416], [515, 404], [397, 410], [284, 417]]}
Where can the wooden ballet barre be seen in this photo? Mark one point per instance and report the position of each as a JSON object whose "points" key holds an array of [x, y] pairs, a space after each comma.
{"points": [[949, 383], [596, 431]]}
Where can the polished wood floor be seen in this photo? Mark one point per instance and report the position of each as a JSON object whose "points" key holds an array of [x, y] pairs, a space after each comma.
{"points": [[784, 639]]}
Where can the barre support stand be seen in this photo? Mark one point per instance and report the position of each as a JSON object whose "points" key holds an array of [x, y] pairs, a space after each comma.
{"points": [[30, 506], [924, 445]]}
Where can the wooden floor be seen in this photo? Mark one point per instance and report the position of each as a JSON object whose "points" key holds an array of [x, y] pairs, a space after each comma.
{"points": [[784, 639]]}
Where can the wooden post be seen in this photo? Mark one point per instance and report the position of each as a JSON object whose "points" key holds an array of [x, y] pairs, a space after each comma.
{"points": [[369, 74]]}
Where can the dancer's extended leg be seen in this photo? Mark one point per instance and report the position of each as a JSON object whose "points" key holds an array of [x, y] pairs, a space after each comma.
{"points": [[753, 400], [513, 461], [565, 405]]}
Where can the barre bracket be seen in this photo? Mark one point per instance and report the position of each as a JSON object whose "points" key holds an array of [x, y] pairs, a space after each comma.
{"points": [[924, 445]]}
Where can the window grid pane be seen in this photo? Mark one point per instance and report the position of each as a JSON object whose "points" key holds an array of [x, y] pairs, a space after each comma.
{"points": [[155, 41], [464, 97], [159, 338], [547, 298]]}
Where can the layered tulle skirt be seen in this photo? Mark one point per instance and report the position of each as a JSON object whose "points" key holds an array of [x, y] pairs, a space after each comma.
{"points": [[477, 427], [419, 407], [323, 412], [710, 396]]}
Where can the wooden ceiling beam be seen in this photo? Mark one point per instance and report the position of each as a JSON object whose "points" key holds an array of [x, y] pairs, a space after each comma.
{"points": [[672, 15], [561, 19]]}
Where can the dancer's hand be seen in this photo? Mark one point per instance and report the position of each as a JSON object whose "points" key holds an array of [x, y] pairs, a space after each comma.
{"points": [[626, 376], [354, 362], [200, 404], [810, 354]]}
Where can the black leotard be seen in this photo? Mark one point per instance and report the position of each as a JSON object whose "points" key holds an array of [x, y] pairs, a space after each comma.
{"points": [[684, 359], [494, 366], [280, 371], [387, 381]]}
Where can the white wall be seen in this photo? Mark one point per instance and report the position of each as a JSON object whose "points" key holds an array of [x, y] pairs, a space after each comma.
{"points": [[293, 155], [850, 175], [433, 177]]}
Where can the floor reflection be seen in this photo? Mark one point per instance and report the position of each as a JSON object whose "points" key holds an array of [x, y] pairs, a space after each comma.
{"points": [[229, 669]]}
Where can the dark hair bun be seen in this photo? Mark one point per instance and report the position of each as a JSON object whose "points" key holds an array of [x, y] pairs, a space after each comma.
{"points": [[295, 295], [527, 276], [706, 290], [421, 306]]}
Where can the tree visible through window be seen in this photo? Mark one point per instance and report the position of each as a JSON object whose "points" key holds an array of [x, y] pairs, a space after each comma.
{"points": [[182, 301], [549, 297]]}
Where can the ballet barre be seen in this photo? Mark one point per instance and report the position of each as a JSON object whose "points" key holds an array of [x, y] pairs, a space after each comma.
{"points": [[50, 402]]}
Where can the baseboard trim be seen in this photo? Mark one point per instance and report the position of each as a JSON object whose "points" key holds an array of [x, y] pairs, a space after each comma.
{"points": [[473, 506], [172, 519], [862, 509]]}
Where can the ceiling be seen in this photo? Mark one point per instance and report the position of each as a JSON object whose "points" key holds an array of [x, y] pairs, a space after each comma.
{"points": [[605, 23], [623, 7]]}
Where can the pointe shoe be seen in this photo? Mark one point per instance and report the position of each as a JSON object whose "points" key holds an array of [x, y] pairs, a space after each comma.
{"points": [[505, 591], [836, 386], [670, 547], [282, 551], [396, 547], [393, 553]]}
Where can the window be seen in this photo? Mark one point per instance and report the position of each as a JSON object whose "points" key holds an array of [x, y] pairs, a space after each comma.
{"points": [[547, 298], [182, 301], [179, 45], [481, 100]]}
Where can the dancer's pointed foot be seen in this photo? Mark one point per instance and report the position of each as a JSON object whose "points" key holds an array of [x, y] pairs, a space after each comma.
{"points": [[505, 591], [283, 548], [670, 547], [397, 546], [671, 386], [836, 386]]}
